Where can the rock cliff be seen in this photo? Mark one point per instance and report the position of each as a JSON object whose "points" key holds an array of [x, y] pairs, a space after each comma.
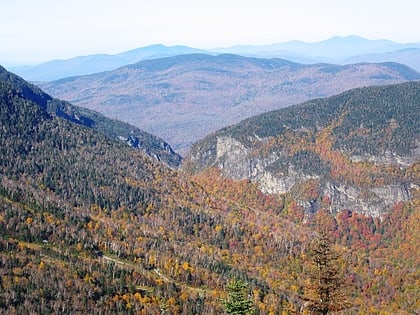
{"points": [[345, 166]]}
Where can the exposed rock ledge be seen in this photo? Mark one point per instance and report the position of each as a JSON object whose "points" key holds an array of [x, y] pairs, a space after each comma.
{"points": [[233, 159]]}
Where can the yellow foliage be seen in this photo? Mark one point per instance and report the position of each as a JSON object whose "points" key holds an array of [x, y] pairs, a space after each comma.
{"points": [[183, 296], [138, 296], [186, 266], [95, 208], [294, 288], [171, 301], [87, 278], [48, 218], [149, 207], [17, 271], [159, 282], [146, 300], [91, 226], [125, 297]]}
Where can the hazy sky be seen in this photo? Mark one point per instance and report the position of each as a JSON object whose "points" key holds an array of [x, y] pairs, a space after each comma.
{"points": [[40, 30]]}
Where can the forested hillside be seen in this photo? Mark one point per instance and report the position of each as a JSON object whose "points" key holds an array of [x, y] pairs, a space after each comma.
{"points": [[114, 129], [91, 225]]}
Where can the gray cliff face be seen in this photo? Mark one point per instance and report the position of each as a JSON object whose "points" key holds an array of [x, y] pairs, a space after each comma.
{"points": [[389, 158], [232, 158], [372, 201], [236, 161]]}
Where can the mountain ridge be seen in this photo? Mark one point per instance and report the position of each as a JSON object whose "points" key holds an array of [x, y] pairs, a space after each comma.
{"points": [[84, 65], [337, 49]]}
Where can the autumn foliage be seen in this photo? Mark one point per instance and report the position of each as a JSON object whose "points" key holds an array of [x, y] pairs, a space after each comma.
{"points": [[89, 225]]}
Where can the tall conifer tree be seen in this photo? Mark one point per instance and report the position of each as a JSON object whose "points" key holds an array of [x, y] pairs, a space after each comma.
{"points": [[325, 288], [237, 302]]}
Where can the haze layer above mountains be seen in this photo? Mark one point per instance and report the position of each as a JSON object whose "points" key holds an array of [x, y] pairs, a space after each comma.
{"points": [[337, 50]]}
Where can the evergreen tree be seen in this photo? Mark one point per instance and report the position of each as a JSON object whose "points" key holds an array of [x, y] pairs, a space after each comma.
{"points": [[325, 288], [237, 302]]}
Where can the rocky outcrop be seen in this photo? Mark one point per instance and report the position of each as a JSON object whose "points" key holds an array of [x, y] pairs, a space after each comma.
{"points": [[390, 158], [232, 158], [269, 184], [369, 201], [236, 161]]}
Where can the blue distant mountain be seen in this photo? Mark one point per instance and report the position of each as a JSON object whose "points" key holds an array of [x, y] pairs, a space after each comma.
{"points": [[338, 50], [81, 65], [407, 56], [157, 51]]}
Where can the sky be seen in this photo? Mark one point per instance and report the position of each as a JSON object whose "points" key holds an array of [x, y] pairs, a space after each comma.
{"points": [[34, 31]]}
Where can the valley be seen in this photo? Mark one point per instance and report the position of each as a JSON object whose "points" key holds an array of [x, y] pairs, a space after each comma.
{"points": [[105, 215]]}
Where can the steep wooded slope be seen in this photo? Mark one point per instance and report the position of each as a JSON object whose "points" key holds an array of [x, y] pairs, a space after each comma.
{"points": [[184, 98], [360, 149], [97, 226], [114, 129]]}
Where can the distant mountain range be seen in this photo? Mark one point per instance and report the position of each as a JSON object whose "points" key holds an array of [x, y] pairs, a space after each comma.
{"points": [[81, 65], [183, 98], [116, 130], [339, 50]]}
